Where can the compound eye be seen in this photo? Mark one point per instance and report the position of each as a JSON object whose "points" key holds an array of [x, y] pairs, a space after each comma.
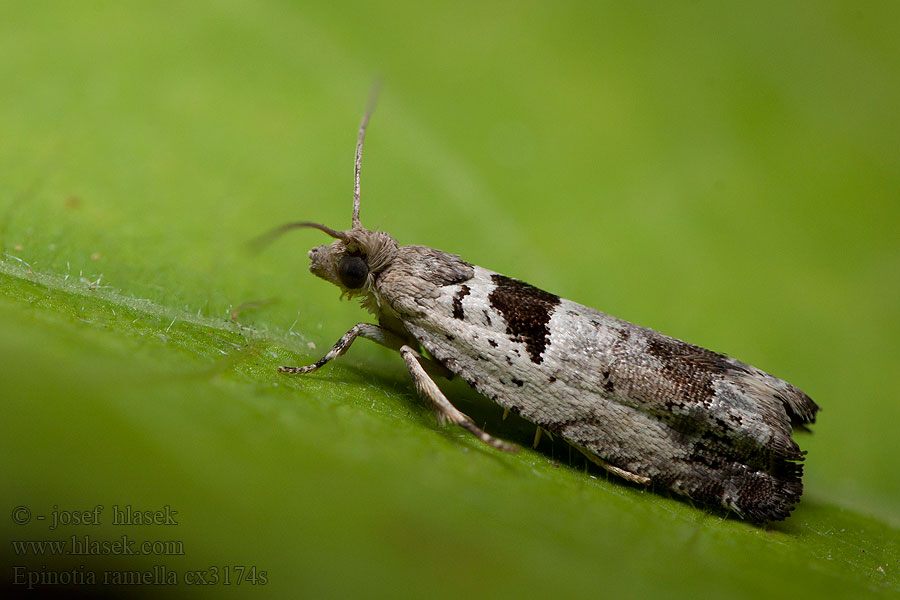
{"points": [[352, 271]]}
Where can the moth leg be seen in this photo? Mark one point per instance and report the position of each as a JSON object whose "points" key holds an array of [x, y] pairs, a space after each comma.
{"points": [[377, 334], [626, 475], [537, 436], [443, 409]]}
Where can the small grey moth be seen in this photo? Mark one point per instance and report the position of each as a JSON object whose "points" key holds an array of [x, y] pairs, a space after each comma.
{"points": [[649, 408]]}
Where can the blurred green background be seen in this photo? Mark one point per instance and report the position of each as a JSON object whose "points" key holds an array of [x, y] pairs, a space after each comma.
{"points": [[728, 174]]}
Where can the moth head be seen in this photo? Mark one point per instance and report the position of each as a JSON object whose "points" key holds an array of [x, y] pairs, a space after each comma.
{"points": [[352, 261]]}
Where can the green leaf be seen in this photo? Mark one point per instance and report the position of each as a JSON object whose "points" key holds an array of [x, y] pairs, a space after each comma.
{"points": [[726, 176]]}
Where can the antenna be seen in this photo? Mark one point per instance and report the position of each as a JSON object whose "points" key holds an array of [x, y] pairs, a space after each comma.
{"points": [[370, 107], [260, 242]]}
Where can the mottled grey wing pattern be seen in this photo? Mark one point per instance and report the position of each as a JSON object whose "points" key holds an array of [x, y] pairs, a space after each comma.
{"points": [[699, 423]]}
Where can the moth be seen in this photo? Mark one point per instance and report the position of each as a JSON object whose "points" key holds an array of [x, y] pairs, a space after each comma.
{"points": [[651, 409]]}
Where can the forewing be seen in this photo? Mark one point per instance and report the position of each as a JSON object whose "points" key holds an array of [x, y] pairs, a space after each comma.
{"points": [[700, 423]]}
